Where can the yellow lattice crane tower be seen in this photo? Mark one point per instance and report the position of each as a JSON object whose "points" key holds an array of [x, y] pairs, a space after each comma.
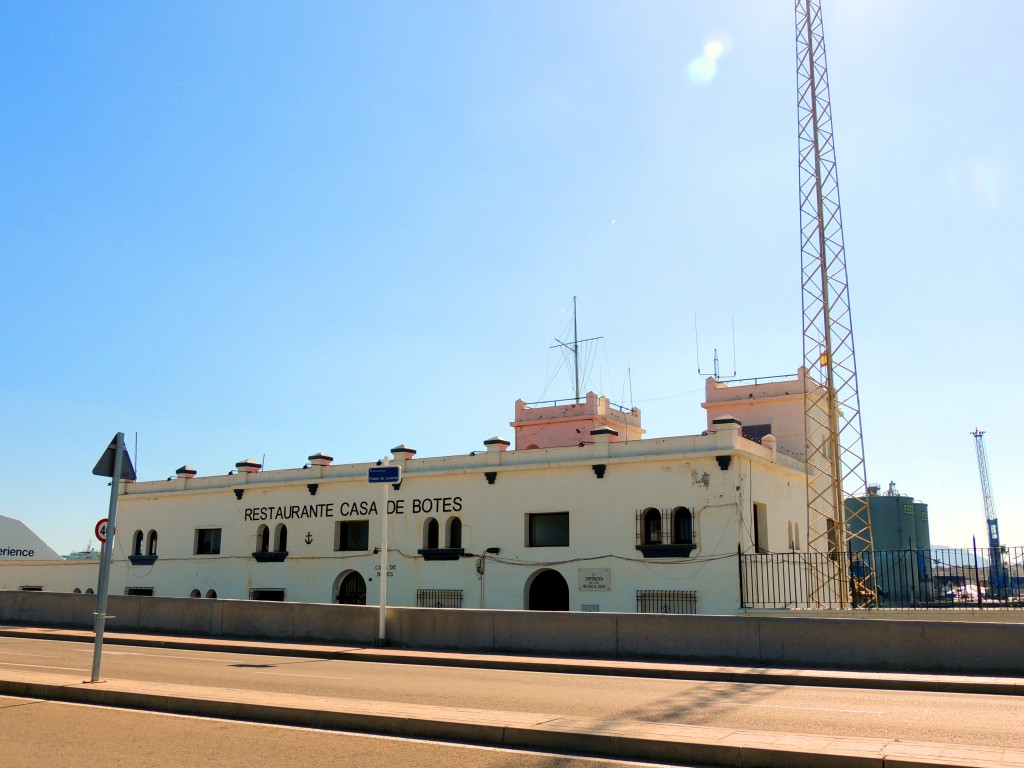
{"points": [[838, 521]]}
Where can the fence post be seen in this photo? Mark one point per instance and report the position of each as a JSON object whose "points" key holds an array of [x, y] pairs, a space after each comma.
{"points": [[853, 578], [739, 565], [977, 578]]}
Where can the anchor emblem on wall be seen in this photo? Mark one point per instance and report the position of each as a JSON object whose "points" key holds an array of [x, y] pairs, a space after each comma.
{"points": [[309, 537]]}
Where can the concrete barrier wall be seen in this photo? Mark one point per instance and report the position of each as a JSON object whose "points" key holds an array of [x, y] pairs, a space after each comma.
{"points": [[967, 647]]}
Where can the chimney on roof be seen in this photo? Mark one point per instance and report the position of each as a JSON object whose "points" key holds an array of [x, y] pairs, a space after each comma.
{"points": [[248, 465], [320, 459], [496, 445], [186, 472], [402, 453]]}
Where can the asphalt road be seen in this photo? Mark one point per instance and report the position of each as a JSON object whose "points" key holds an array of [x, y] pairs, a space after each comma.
{"points": [[43, 734], [993, 721]]}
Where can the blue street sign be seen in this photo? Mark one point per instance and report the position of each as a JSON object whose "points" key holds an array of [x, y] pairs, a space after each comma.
{"points": [[389, 474]]}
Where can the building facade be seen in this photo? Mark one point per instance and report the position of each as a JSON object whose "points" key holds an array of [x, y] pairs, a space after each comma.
{"points": [[586, 515], [576, 519]]}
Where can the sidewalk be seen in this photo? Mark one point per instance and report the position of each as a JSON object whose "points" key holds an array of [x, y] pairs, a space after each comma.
{"points": [[1002, 686], [608, 738]]}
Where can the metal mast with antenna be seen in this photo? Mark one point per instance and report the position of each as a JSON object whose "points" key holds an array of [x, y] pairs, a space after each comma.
{"points": [[574, 350], [837, 507], [715, 372]]}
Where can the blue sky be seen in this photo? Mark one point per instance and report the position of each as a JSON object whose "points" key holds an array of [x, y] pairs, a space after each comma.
{"points": [[248, 229]]}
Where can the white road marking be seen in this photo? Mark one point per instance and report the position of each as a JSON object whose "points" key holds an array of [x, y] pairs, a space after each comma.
{"points": [[817, 709], [290, 674], [41, 666], [33, 655]]}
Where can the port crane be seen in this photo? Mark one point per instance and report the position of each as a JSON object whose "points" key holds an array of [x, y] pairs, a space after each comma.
{"points": [[997, 574], [838, 519]]}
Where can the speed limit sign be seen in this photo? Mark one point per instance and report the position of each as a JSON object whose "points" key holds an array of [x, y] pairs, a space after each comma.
{"points": [[101, 529]]}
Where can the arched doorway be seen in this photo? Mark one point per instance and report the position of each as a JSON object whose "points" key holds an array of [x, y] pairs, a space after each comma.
{"points": [[547, 591], [350, 589]]}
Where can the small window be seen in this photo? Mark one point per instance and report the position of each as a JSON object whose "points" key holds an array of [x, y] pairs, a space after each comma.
{"points": [[137, 543], [151, 543], [273, 594], [794, 535], [682, 526], [77, 591], [454, 533], [281, 538], [139, 591], [196, 593], [207, 541], [30, 588], [760, 528], [88, 591], [263, 539], [652, 526], [211, 593], [352, 536], [438, 598], [430, 534], [548, 529]]}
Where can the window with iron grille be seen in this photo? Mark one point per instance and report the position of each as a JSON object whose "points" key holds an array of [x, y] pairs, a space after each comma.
{"points": [[141, 591], [664, 526], [438, 598], [275, 594], [675, 601]]}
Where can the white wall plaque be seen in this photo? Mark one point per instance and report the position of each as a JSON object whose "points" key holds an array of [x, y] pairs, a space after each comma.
{"points": [[595, 579]]}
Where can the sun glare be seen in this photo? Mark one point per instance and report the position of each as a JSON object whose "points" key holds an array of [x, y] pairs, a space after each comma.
{"points": [[702, 69]]}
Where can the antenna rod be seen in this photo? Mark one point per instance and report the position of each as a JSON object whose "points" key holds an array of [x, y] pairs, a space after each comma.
{"points": [[575, 350]]}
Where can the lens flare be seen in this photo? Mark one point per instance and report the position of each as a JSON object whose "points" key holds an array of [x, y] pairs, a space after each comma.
{"points": [[702, 70]]}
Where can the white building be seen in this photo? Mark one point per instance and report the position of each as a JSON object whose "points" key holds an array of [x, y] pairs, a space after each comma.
{"points": [[28, 563], [585, 514]]}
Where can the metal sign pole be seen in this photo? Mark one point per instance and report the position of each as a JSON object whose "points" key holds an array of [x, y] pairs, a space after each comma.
{"points": [[105, 552], [382, 628]]}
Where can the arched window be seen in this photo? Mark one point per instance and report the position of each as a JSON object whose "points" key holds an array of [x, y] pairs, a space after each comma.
{"points": [[652, 526], [281, 538], [455, 533], [196, 593], [212, 593], [137, 543], [151, 543], [682, 532], [263, 539], [88, 591], [77, 591], [430, 534]]}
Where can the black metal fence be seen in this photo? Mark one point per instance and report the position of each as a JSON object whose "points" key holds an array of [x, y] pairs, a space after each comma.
{"points": [[676, 601], [902, 578], [438, 598]]}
